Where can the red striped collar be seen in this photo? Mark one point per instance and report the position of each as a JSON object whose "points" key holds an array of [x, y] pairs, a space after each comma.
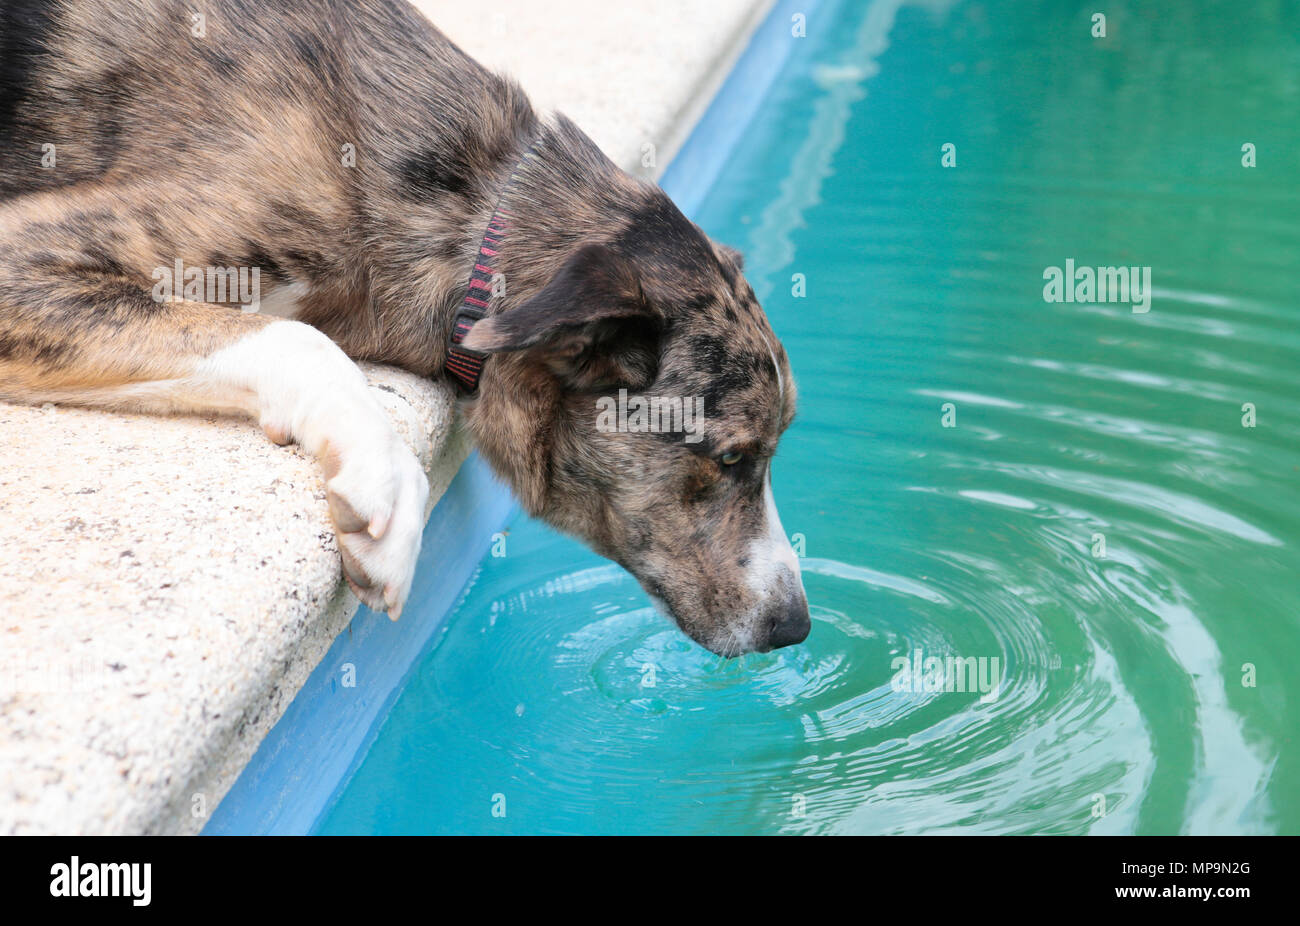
{"points": [[485, 283]]}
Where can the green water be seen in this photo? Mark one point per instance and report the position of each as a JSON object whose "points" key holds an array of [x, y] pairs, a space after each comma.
{"points": [[557, 696]]}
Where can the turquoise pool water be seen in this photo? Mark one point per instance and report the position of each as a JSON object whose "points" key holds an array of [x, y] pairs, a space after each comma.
{"points": [[1099, 521]]}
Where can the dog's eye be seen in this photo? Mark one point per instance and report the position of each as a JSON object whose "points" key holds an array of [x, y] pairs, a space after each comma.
{"points": [[731, 459]]}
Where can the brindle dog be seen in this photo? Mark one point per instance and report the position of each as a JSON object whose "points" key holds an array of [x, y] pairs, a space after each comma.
{"points": [[355, 156]]}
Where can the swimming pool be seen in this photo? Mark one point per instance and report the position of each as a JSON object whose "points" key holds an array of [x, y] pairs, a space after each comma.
{"points": [[1067, 493]]}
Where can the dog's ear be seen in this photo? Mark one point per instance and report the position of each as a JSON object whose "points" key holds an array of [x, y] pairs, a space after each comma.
{"points": [[591, 324]]}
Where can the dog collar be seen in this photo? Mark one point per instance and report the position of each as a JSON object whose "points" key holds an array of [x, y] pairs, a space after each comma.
{"points": [[465, 365]]}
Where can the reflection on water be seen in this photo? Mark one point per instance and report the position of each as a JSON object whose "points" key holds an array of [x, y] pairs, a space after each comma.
{"points": [[1099, 523]]}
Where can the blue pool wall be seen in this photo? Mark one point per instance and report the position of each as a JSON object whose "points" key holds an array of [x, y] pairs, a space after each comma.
{"points": [[696, 165], [310, 754]]}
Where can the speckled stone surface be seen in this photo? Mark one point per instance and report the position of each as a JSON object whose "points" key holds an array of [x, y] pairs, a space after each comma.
{"points": [[168, 584]]}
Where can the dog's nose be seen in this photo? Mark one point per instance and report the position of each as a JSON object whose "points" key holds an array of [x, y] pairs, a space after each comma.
{"points": [[791, 624]]}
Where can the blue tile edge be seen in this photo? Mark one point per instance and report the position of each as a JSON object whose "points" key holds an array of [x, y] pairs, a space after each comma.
{"points": [[695, 167], [311, 753]]}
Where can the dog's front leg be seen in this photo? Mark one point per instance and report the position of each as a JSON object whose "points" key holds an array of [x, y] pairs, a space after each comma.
{"points": [[286, 375], [303, 388], [78, 326]]}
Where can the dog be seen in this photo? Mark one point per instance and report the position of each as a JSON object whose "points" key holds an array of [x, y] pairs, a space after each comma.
{"points": [[455, 233]]}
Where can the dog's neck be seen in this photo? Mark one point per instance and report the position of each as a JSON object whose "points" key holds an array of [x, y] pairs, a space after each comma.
{"points": [[557, 191], [565, 194], [537, 217]]}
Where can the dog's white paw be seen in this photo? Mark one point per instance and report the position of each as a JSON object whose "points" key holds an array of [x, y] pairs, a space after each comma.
{"points": [[376, 501], [302, 387]]}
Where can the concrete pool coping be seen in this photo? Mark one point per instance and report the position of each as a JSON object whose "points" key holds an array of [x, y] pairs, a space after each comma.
{"points": [[172, 583]]}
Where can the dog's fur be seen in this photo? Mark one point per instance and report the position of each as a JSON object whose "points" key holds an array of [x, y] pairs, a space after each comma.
{"points": [[226, 150]]}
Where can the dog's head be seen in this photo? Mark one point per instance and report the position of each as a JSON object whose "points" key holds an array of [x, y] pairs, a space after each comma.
{"points": [[636, 400]]}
